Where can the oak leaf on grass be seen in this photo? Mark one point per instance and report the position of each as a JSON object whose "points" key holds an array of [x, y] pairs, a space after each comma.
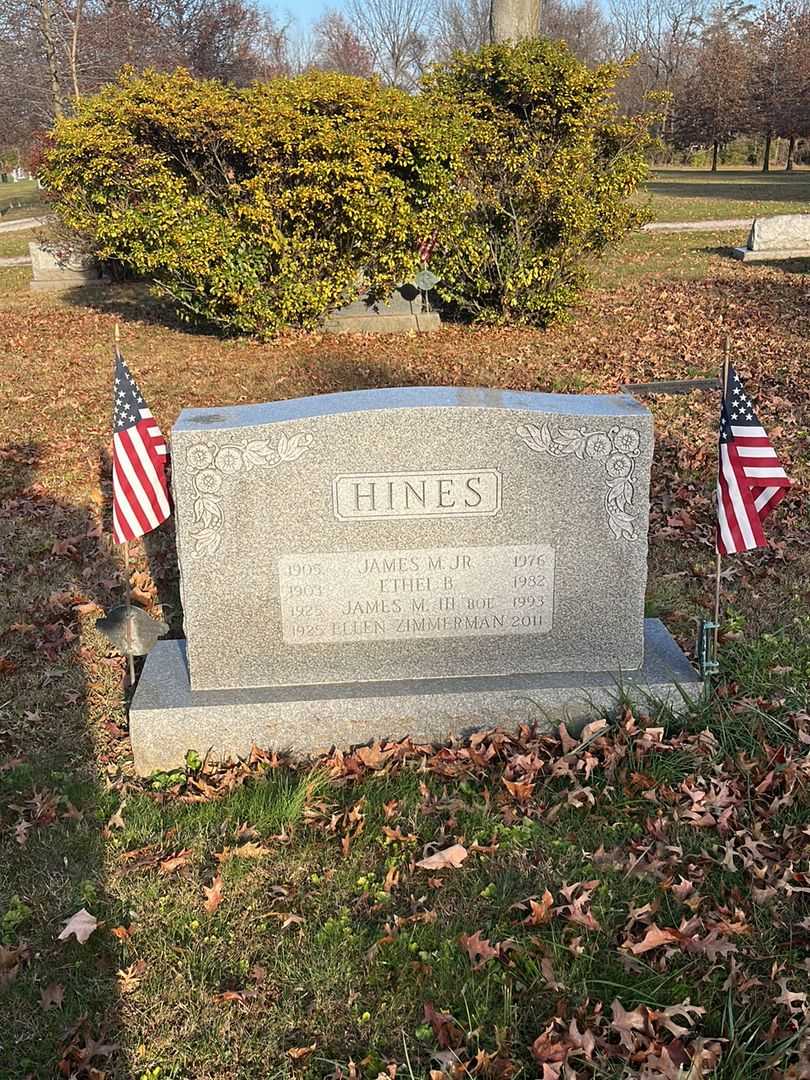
{"points": [[478, 948], [298, 1053], [655, 937], [213, 894], [81, 925], [449, 858]]}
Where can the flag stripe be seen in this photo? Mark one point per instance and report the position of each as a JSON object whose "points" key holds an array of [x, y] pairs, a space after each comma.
{"points": [[148, 463], [132, 489], [769, 474], [726, 538], [746, 451], [129, 517]]}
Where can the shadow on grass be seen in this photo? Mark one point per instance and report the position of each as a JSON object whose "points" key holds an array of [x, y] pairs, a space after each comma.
{"points": [[732, 186], [154, 554], [131, 301], [788, 266], [53, 804]]}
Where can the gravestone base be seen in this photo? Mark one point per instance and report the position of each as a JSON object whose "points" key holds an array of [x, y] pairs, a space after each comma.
{"points": [[166, 718], [59, 271], [422, 323], [68, 280], [400, 314], [745, 254]]}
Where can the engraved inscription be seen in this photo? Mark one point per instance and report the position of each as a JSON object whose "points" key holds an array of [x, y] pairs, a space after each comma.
{"points": [[408, 594], [416, 494]]}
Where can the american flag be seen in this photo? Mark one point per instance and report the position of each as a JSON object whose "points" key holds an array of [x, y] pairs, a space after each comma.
{"points": [[750, 477], [427, 247], [140, 493]]}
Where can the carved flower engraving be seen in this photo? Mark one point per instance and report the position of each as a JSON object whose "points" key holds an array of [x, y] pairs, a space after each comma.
{"points": [[199, 456], [213, 466], [626, 440], [616, 449], [598, 445], [229, 459], [208, 481], [618, 465]]}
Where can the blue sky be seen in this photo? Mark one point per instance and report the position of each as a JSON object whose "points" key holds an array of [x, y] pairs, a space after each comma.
{"points": [[304, 12]]}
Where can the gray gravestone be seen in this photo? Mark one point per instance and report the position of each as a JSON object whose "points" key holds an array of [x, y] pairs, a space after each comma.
{"points": [[784, 236], [404, 311], [405, 561], [54, 270]]}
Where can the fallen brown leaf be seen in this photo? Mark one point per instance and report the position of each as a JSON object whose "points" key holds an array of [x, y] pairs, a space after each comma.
{"points": [[298, 1053], [175, 862], [81, 925], [478, 949], [51, 996], [213, 895], [449, 858]]}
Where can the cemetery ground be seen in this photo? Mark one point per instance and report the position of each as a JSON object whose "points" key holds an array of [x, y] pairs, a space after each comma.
{"points": [[695, 195], [613, 905], [20, 200]]}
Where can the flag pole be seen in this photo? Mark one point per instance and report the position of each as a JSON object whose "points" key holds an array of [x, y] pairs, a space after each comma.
{"points": [[717, 566], [130, 655], [129, 615]]}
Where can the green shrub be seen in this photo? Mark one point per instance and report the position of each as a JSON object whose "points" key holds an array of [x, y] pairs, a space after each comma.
{"points": [[547, 172], [254, 208], [260, 208]]}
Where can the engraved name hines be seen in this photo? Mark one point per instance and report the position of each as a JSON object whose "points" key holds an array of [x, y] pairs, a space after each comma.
{"points": [[411, 594], [422, 494]]}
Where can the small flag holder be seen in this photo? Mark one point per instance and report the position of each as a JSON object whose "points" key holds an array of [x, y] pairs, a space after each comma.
{"points": [[706, 650]]}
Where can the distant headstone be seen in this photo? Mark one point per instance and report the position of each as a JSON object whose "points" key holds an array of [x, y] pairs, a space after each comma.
{"points": [[54, 270], [404, 311], [785, 236], [411, 561]]}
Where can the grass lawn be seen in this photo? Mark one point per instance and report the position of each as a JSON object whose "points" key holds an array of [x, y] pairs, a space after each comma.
{"points": [[16, 243], [629, 902], [696, 195], [21, 200]]}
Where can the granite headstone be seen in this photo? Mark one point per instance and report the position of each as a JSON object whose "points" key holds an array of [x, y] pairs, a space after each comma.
{"points": [[403, 312], [55, 270], [406, 561], [783, 236]]}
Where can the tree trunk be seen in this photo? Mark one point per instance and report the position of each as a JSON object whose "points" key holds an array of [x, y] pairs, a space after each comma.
{"points": [[73, 54], [715, 152], [46, 30], [513, 20], [790, 153], [766, 160]]}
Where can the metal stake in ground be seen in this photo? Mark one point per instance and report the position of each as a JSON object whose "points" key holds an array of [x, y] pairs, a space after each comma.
{"points": [[708, 634], [718, 561], [128, 624]]}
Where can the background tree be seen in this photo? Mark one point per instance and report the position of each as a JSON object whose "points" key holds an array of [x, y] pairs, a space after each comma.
{"points": [[780, 74], [395, 34], [662, 35], [712, 100], [337, 47], [459, 24], [581, 25]]}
